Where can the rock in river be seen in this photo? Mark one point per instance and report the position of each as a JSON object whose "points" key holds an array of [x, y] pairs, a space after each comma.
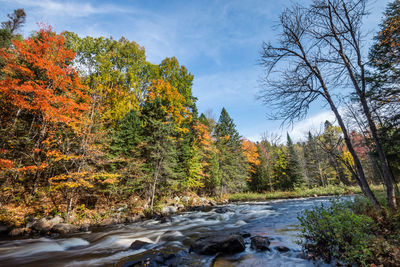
{"points": [[138, 244], [260, 243], [223, 244], [282, 249]]}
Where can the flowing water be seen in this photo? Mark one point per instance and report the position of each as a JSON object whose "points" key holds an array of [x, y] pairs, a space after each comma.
{"points": [[110, 246]]}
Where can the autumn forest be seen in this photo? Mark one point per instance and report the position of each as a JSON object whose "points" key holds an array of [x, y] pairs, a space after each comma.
{"points": [[89, 125]]}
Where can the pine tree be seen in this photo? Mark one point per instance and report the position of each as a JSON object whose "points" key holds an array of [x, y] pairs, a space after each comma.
{"points": [[384, 84], [231, 160], [313, 161], [294, 167]]}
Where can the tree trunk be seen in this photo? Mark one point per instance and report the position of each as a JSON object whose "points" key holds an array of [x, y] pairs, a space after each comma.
{"points": [[387, 175], [357, 163], [156, 174]]}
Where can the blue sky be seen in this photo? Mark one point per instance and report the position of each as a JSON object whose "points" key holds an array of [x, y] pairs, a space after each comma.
{"points": [[218, 41]]}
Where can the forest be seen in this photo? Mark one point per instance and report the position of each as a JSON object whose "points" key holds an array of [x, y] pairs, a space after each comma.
{"points": [[88, 123]]}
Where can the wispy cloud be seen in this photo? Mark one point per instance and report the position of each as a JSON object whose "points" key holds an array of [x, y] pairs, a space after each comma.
{"points": [[218, 41], [313, 124], [68, 8]]}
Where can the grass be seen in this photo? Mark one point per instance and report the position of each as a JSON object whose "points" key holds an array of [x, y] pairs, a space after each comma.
{"points": [[330, 190]]}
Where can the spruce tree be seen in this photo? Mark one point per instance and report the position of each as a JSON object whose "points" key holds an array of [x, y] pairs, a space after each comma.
{"points": [[312, 158], [293, 168], [231, 160]]}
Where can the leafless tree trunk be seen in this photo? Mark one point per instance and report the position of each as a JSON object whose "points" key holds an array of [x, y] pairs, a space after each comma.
{"points": [[308, 69], [337, 24]]}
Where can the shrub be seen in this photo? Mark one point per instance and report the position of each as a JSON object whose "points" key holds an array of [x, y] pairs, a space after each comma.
{"points": [[336, 231]]}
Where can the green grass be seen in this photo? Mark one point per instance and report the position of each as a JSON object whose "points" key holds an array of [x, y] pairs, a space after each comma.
{"points": [[330, 190]]}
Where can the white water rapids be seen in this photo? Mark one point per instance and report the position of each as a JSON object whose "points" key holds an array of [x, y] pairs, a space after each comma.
{"points": [[110, 246]]}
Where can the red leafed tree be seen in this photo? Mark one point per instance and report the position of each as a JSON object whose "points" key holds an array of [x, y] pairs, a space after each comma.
{"points": [[43, 112], [39, 79]]}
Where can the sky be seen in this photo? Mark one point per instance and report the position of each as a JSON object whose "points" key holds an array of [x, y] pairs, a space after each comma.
{"points": [[219, 41]]}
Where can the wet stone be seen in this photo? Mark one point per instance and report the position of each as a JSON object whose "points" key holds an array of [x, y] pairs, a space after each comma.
{"points": [[138, 244], [282, 249], [219, 244], [260, 243], [222, 210]]}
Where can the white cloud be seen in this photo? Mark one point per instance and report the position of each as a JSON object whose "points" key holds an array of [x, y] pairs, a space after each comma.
{"points": [[68, 8], [314, 124]]}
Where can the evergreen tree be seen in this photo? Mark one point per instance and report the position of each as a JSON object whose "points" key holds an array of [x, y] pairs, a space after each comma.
{"points": [[259, 179], [384, 84], [159, 150], [293, 167], [231, 160], [128, 135], [313, 161], [226, 128]]}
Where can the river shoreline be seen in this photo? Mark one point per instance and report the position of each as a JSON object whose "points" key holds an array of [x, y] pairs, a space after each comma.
{"points": [[40, 227], [184, 234]]}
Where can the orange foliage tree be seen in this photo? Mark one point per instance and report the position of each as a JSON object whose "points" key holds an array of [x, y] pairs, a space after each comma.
{"points": [[250, 151], [43, 111]]}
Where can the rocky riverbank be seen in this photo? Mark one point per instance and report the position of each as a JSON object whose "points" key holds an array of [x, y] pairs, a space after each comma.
{"points": [[58, 226]]}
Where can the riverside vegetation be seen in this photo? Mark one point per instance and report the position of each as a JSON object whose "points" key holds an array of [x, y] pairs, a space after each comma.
{"points": [[92, 133]]}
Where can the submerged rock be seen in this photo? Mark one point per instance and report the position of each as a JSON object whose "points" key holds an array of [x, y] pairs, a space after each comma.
{"points": [[138, 244], [222, 210], [260, 243], [245, 234], [219, 244], [282, 249]]}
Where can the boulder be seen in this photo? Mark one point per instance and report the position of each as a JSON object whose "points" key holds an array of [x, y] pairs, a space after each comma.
{"points": [[56, 220], [168, 210], [107, 222], [282, 249], [17, 232], [138, 244], [42, 225], [204, 201], [154, 258], [245, 234], [218, 244], [84, 227], [185, 199], [64, 228], [260, 243], [132, 219]]}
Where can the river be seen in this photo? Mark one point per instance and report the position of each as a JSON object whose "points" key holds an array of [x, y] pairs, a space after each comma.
{"points": [[110, 246]]}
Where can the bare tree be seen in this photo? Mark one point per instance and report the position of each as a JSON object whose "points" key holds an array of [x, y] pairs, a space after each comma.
{"points": [[303, 66], [15, 20], [338, 25]]}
